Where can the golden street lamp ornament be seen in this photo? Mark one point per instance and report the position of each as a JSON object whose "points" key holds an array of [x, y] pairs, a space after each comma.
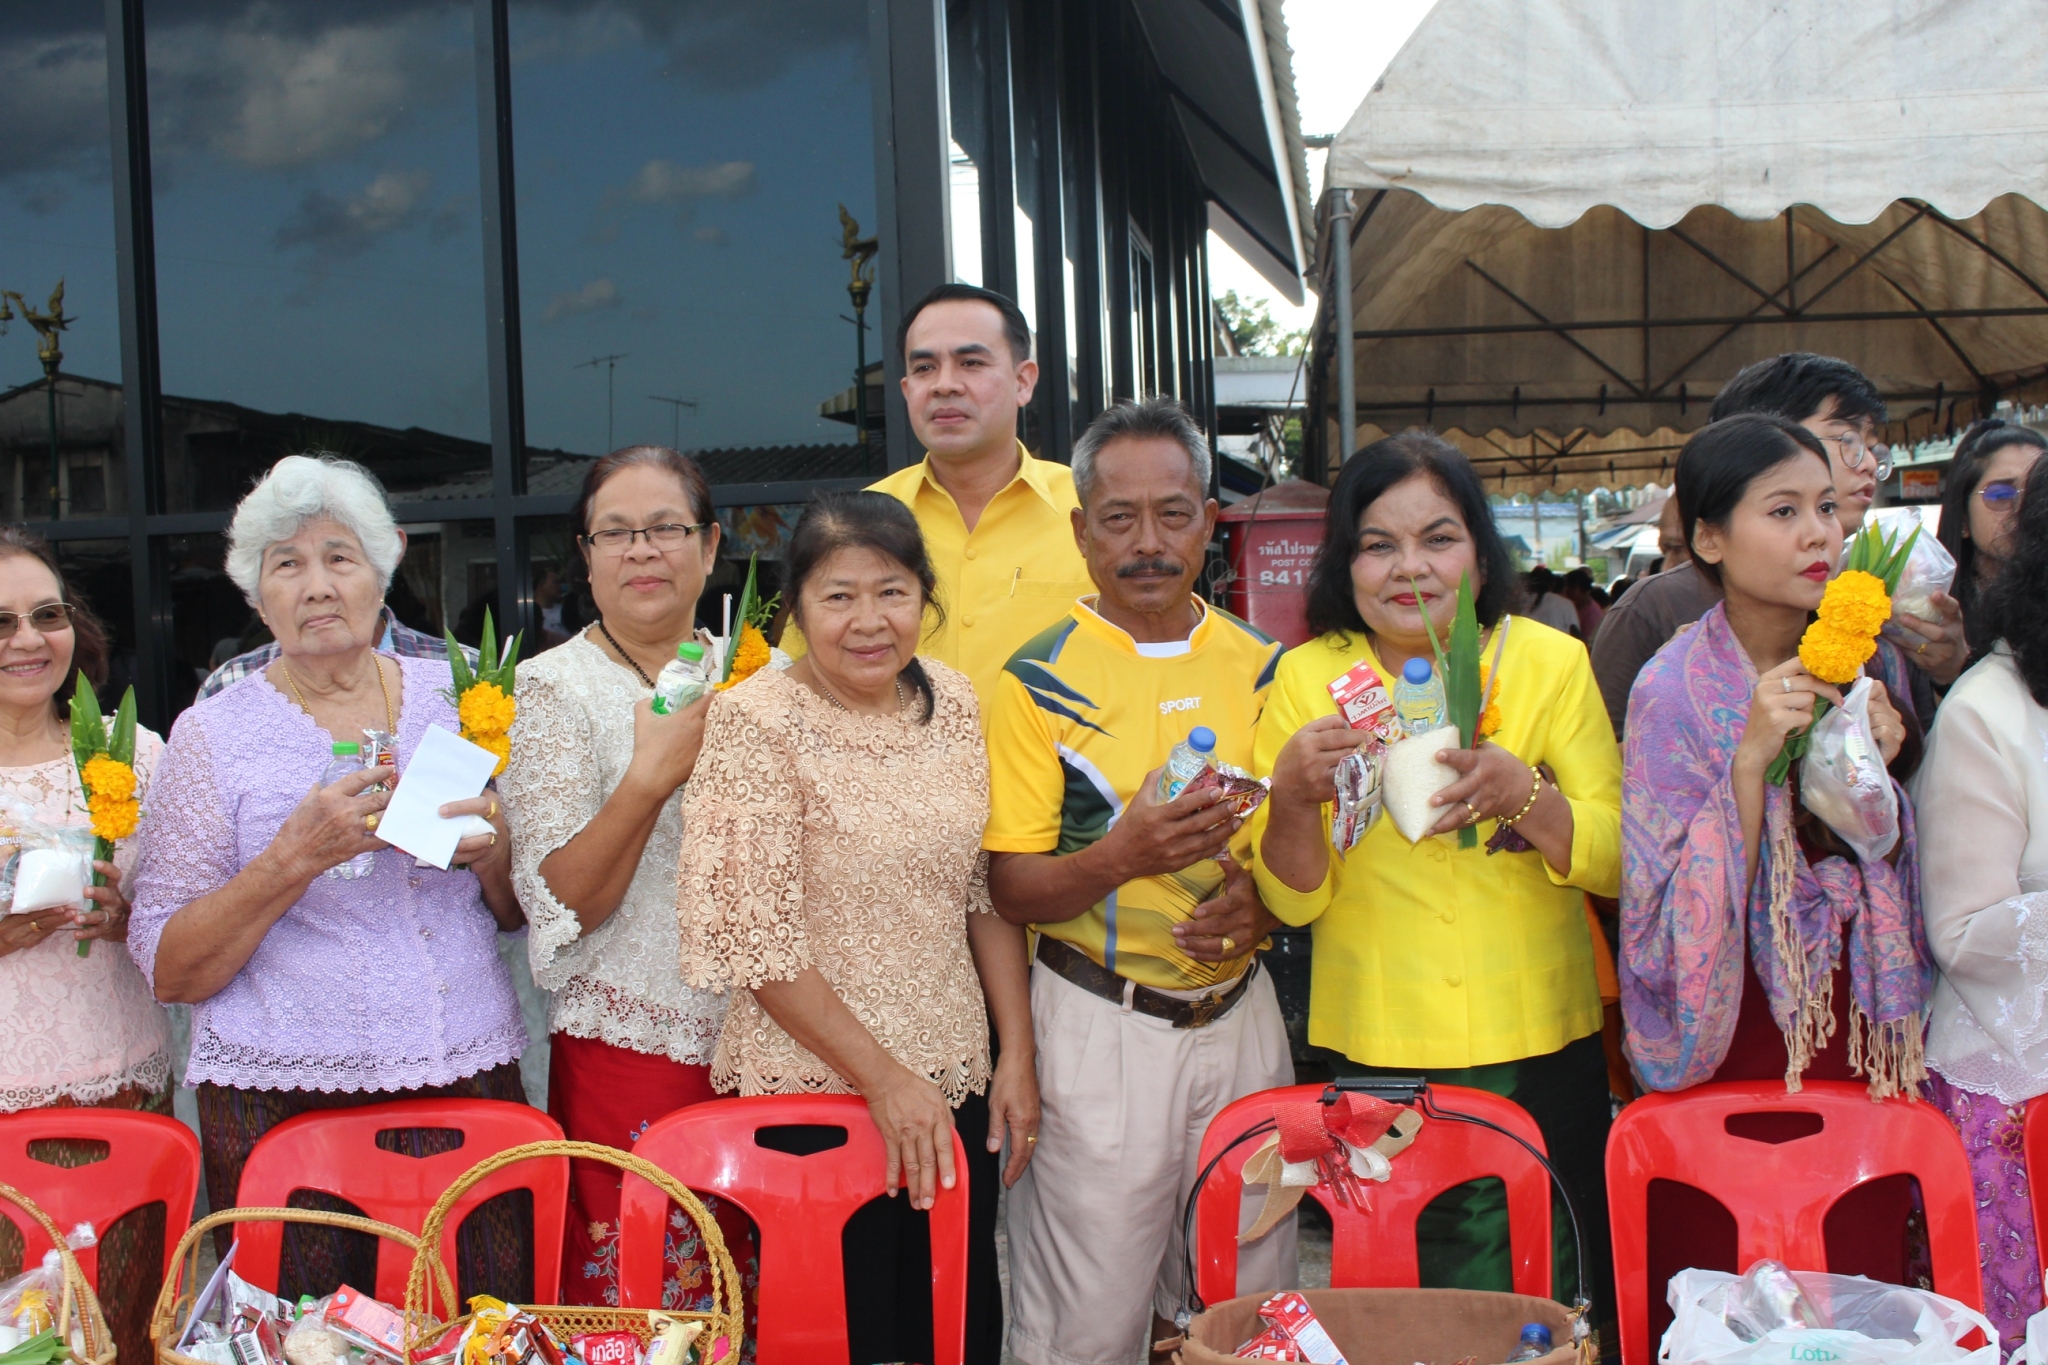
{"points": [[47, 324], [860, 251]]}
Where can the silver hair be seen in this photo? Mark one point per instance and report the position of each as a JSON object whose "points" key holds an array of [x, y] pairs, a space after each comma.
{"points": [[303, 488], [1155, 417]]}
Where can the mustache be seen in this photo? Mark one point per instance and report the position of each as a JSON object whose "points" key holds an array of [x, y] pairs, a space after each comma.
{"points": [[1145, 566]]}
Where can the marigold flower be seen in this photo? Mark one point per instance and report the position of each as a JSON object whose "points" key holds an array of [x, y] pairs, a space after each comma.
{"points": [[1834, 655], [485, 708], [1489, 720], [114, 818], [1856, 604], [499, 743], [750, 656], [105, 775]]}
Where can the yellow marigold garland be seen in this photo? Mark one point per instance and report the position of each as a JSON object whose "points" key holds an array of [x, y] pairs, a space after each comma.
{"points": [[105, 757], [750, 656], [484, 698], [1853, 610], [113, 817]]}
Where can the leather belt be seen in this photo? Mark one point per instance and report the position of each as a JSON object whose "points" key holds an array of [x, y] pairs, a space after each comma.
{"points": [[1076, 966]]}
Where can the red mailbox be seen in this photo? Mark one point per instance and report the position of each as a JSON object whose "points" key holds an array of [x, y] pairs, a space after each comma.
{"points": [[1269, 540]]}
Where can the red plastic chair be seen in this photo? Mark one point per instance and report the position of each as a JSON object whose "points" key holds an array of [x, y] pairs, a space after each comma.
{"points": [[2036, 1144], [1780, 1192], [335, 1151], [801, 1204], [150, 1157], [1374, 1248]]}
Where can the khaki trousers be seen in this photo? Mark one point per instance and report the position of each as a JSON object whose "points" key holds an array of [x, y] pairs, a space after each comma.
{"points": [[1095, 1222]]}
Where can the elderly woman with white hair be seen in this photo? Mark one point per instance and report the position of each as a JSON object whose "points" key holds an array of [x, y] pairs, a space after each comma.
{"points": [[312, 989]]}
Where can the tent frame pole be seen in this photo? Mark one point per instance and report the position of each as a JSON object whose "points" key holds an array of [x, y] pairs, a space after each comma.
{"points": [[1347, 355]]}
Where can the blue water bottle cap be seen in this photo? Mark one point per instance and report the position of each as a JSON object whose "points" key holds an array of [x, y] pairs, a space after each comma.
{"points": [[1536, 1331], [1202, 739], [1415, 671]]}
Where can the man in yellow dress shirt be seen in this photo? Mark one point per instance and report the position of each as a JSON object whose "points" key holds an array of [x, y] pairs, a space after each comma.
{"points": [[995, 518], [1149, 1012]]}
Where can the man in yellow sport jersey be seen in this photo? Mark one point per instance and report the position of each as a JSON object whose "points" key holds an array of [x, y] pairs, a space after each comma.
{"points": [[1148, 1009]]}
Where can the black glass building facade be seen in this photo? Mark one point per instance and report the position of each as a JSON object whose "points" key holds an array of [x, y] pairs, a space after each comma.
{"points": [[475, 243]]}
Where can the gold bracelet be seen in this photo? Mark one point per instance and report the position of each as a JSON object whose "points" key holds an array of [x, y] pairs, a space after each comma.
{"points": [[1535, 793]]}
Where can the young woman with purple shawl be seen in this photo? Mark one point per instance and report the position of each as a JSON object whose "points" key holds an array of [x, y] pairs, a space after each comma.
{"points": [[1754, 944]]}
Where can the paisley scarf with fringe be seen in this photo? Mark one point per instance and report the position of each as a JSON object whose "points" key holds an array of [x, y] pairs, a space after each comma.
{"points": [[1688, 924]]}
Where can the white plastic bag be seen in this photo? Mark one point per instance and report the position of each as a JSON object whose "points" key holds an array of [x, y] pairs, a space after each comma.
{"points": [[2035, 1348], [1868, 1323], [1843, 779], [1413, 775], [1930, 569]]}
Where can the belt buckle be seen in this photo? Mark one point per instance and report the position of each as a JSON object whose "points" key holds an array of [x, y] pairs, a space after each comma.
{"points": [[1200, 1012]]}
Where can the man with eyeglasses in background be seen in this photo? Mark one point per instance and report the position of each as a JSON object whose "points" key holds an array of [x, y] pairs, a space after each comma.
{"points": [[1832, 399]]}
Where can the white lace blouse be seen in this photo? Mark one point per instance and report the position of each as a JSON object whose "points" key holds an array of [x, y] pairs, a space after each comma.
{"points": [[76, 1027], [622, 983], [1981, 800]]}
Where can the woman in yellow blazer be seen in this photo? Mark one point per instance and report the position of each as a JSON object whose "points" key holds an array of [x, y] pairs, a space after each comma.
{"points": [[1471, 966]]}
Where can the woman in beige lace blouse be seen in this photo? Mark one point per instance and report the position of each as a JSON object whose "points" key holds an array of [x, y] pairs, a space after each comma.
{"points": [[832, 879]]}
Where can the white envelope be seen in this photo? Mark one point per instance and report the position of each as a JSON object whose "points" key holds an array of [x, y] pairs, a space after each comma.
{"points": [[446, 767]]}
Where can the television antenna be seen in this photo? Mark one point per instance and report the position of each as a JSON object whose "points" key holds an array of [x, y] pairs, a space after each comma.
{"points": [[675, 410], [611, 365]]}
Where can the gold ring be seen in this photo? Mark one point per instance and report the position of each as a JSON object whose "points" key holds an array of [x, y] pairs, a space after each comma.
{"points": [[1922, 649], [370, 820], [494, 809], [1031, 1137], [1229, 944], [494, 840], [1476, 816]]}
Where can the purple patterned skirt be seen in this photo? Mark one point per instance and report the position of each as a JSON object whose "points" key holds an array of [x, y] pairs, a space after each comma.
{"points": [[1992, 1132]]}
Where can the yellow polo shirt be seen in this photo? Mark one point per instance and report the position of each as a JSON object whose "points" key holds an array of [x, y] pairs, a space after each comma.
{"points": [[1432, 956], [1013, 575], [1077, 720]]}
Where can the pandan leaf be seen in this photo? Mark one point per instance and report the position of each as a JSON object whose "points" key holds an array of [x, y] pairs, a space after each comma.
{"points": [[121, 740], [458, 664], [88, 723], [487, 649], [748, 596], [1461, 676]]}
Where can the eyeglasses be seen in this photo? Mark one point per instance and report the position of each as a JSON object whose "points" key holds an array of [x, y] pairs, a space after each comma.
{"points": [[48, 618], [670, 535], [1854, 452], [1999, 495]]}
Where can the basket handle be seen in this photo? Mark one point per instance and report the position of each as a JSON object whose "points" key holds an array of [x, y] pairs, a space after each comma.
{"points": [[185, 1261], [725, 1280], [77, 1293]]}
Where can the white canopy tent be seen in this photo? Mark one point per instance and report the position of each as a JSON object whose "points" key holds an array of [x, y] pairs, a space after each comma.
{"points": [[1571, 223]]}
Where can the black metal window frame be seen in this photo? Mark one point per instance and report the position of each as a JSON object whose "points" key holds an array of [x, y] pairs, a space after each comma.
{"points": [[1051, 57]]}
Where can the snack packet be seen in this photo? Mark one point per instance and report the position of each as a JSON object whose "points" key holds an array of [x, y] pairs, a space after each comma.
{"points": [[1292, 1333], [1242, 793], [606, 1348], [1366, 705], [365, 1322]]}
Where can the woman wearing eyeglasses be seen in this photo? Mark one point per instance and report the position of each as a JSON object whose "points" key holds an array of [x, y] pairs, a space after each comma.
{"points": [[1980, 505], [73, 1030], [594, 793]]}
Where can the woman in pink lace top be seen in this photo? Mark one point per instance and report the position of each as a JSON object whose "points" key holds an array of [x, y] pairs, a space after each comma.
{"points": [[312, 989], [73, 1030]]}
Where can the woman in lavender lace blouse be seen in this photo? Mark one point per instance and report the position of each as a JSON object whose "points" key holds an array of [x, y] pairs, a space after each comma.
{"points": [[309, 990]]}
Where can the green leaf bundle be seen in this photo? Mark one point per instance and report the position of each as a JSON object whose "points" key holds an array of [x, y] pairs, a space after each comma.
{"points": [[90, 738], [750, 606], [1458, 664], [491, 665]]}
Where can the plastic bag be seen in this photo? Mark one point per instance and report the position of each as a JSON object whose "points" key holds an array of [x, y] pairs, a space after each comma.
{"points": [[2034, 1349], [1413, 775], [1843, 779], [1930, 569], [1862, 1322], [46, 867]]}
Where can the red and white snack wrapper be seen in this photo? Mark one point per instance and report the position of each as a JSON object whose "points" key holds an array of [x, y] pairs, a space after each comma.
{"points": [[1242, 792], [607, 1348], [368, 1322], [1292, 1333], [1368, 707]]}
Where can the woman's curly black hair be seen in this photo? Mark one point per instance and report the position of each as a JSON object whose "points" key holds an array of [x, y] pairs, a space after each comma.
{"points": [[2016, 602]]}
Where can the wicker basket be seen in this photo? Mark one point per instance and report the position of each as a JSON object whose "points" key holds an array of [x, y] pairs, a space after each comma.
{"points": [[722, 1325], [96, 1344], [174, 1301]]}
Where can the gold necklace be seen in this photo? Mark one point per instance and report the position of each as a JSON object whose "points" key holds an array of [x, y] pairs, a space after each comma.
{"points": [[390, 716], [901, 700]]}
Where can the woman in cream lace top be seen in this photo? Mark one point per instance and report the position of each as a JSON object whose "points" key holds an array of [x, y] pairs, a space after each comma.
{"points": [[833, 880], [74, 1030], [592, 793]]}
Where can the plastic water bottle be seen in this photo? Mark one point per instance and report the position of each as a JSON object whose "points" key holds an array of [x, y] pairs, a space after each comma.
{"points": [[685, 678], [1535, 1343], [348, 758], [1419, 702], [1185, 763]]}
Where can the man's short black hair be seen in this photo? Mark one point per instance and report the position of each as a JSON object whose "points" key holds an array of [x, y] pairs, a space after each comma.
{"points": [[1797, 386], [1015, 329]]}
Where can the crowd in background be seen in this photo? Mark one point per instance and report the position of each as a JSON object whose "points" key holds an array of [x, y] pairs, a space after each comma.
{"points": [[924, 857]]}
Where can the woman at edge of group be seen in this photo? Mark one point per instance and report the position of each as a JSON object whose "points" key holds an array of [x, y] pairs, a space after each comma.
{"points": [[78, 1030], [591, 791], [1468, 984], [1718, 865], [834, 883], [1979, 504], [312, 991], [1982, 800]]}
